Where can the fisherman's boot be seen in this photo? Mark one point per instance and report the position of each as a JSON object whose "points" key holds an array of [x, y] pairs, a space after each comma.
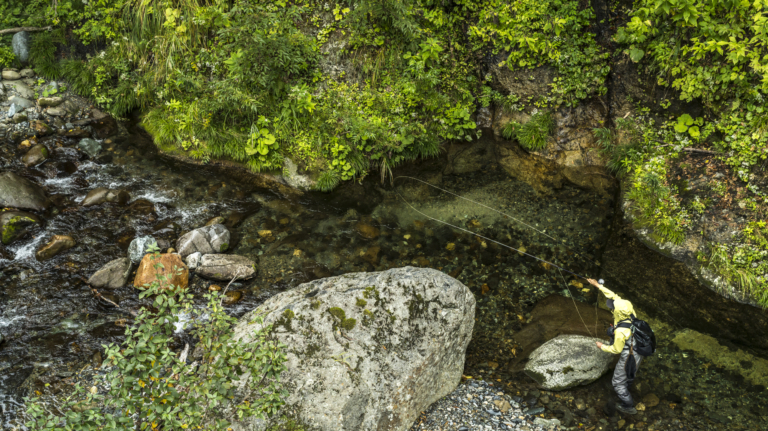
{"points": [[626, 410]]}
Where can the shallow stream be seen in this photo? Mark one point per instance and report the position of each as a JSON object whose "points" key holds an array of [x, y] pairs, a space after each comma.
{"points": [[54, 325]]}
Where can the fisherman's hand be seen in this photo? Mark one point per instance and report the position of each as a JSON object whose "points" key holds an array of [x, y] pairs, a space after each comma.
{"points": [[599, 345], [593, 282]]}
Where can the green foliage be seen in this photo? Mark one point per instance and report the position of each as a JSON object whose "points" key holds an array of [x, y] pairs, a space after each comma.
{"points": [[533, 134], [716, 52], [149, 386], [548, 32], [42, 53], [6, 56]]}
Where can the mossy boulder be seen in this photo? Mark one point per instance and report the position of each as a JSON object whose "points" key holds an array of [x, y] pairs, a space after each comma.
{"points": [[36, 155], [366, 351], [15, 224]]}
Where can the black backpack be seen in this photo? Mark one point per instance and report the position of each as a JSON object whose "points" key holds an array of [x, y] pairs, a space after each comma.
{"points": [[644, 338]]}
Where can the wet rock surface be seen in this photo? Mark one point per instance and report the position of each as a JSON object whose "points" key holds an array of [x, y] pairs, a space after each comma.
{"points": [[567, 361], [18, 192], [168, 269], [362, 342], [16, 224], [113, 275], [225, 267], [210, 239], [57, 244]]}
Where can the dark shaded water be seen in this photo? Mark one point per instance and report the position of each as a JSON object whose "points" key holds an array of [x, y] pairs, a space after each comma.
{"points": [[54, 325]]}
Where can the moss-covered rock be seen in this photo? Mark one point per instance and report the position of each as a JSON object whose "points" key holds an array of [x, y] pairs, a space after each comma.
{"points": [[15, 224], [408, 352]]}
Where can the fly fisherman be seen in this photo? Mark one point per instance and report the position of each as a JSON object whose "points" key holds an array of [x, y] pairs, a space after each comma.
{"points": [[622, 311]]}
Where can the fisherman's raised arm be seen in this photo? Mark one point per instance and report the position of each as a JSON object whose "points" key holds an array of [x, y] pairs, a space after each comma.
{"points": [[608, 294]]}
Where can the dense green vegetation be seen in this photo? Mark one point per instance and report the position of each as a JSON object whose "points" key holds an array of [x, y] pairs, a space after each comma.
{"points": [[343, 89], [715, 53], [148, 386]]}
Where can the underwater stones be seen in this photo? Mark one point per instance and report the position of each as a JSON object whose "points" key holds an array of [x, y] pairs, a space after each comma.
{"points": [[206, 240], [193, 260], [113, 275], [567, 361], [367, 231], [11, 74], [39, 128], [56, 245], [101, 195], [14, 224], [232, 297], [20, 43], [223, 267], [138, 248], [171, 267], [405, 347], [18, 192], [36, 155], [89, 147]]}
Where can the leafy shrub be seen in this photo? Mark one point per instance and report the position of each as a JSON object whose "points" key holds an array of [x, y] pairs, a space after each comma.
{"points": [[6, 56], [149, 386], [533, 134]]}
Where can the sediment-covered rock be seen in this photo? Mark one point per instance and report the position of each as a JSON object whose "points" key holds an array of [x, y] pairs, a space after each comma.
{"points": [[36, 155], [567, 361], [56, 245], [225, 267], [113, 275], [206, 240], [367, 351]]}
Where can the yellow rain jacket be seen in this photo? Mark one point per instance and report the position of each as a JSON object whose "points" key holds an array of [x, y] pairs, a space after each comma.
{"points": [[622, 310]]}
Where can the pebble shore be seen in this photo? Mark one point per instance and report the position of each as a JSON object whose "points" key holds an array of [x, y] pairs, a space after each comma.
{"points": [[478, 405]]}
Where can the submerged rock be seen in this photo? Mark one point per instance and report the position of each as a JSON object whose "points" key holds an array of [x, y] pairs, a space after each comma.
{"points": [[89, 147], [113, 275], [40, 128], [57, 245], [225, 267], [138, 248], [173, 269], [206, 240], [14, 224], [18, 192], [367, 351], [567, 361], [101, 195], [36, 155]]}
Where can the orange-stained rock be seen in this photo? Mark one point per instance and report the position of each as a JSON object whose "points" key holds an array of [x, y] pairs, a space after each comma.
{"points": [[147, 273], [367, 231]]}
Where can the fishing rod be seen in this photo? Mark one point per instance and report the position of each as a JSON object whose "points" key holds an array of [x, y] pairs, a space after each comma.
{"points": [[560, 268]]}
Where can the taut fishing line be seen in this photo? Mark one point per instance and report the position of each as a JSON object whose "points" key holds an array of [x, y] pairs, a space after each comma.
{"points": [[560, 268]]}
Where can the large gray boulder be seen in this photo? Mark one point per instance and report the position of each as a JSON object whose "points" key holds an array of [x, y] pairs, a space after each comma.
{"points": [[567, 361], [138, 248], [227, 267], [18, 192], [113, 275], [366, 351], [21, 42], [21, 103], [206, 240]]}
